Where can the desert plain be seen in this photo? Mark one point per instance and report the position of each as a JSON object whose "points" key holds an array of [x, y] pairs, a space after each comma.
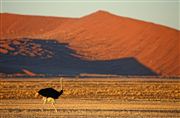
{"points": [[92, 98]]}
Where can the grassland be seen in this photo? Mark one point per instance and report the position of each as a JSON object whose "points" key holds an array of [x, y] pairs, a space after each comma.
{"points": [[97, 98]]}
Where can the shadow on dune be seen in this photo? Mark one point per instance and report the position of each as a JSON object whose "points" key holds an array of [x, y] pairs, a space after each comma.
{"points": [[63, 62]]}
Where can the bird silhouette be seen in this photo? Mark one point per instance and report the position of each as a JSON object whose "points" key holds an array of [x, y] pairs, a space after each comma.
{"points": [[50, 95]]}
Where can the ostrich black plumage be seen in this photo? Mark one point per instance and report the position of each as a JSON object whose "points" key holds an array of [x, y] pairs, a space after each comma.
{"points": [[50, 94]]}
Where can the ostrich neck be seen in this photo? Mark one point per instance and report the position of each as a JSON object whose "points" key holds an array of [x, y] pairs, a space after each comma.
{"points": [[61, 84], [61, 88]]}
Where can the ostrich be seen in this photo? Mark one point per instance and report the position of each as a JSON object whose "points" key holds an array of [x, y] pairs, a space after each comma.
{"points": [[50, 95]]}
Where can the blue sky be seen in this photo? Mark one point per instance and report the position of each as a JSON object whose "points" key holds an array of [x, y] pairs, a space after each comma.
{"points": [[165, 12]]}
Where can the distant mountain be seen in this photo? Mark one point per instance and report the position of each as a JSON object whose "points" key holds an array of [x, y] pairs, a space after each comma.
{"points": [[120, 45]]}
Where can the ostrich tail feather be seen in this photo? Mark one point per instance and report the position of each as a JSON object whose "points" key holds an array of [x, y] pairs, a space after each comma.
{"points": [[37, 94]]}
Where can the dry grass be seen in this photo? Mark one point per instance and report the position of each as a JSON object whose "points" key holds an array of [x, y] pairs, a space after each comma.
{"points": [[123, 89], [75, 108], [92, 98]]}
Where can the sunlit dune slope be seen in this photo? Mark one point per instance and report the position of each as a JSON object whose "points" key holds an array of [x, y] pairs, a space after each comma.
{"points": [[103, 36], [18, 26]]}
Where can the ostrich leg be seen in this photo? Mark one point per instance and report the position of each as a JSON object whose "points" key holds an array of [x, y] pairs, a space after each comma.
{"points": [[54, 107], [52, 101], [44, 102]]}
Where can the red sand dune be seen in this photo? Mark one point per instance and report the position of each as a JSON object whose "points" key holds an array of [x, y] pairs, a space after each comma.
{"points": [[103, 36], [14, 26]]}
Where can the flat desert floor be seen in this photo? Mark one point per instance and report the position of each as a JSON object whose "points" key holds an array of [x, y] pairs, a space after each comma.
{"points": [[92, 98]]}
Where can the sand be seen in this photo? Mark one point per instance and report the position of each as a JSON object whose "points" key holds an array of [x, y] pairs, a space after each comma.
{"points": [[102, 36]]}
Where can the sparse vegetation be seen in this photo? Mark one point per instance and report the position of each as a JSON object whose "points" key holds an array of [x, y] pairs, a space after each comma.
{"points": [[87, 98], [123, 89]]}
